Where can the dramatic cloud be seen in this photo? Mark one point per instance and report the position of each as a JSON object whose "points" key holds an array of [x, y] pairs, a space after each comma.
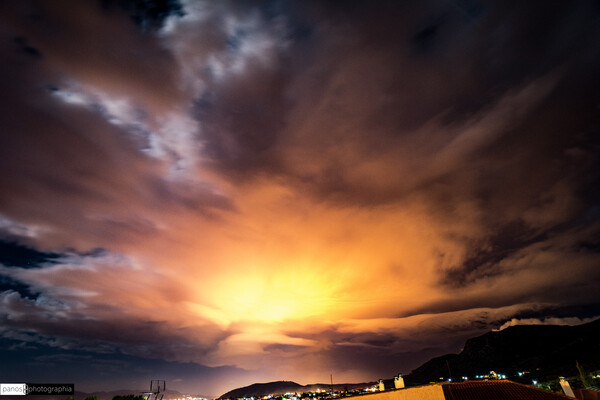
{"points": [[545, 321], [250, 191]]}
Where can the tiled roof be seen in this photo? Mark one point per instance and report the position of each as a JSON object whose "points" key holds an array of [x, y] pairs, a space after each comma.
{"points": [[497, 390], [587, 394]]}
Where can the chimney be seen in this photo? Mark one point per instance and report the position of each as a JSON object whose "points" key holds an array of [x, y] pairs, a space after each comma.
{"points": [[564, 384], [399, 382]]}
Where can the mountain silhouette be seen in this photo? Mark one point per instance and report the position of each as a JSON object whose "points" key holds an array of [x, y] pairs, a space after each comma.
{"points": [[281, 387], [544, 351]]}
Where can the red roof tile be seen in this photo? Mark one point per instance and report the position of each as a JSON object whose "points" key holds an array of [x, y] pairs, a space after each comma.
{"points": [[587, 394], [497, 390]]}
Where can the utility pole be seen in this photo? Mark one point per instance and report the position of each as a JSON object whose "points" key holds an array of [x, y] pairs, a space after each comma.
{"points": [[331, 378], [448, 365]]}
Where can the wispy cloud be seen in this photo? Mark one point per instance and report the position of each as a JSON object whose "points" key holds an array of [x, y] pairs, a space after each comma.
{"points": [[275, 190], [546, 321]]}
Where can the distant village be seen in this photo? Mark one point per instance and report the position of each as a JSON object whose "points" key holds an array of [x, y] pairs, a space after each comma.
{"points": [[491, 385], [488, 386]]}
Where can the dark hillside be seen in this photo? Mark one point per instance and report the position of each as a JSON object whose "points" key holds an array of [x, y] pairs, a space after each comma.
{"points": [[546, 351]]}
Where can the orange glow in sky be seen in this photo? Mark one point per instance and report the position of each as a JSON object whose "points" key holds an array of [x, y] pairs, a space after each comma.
{"points": [[236, 192]]}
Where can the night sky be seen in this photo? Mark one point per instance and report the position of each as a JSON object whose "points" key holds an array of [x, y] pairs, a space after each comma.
{"points": [[218, 193]]}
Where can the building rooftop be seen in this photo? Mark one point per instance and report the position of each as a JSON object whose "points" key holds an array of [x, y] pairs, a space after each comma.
{"points": [[497, 390]]}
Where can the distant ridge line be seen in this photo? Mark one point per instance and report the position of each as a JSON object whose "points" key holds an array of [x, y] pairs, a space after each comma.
{"points": [[281, 387], [545, 351]]}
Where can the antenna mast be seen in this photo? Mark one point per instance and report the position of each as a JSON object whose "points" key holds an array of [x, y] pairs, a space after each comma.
{"points": [[156, 387]]}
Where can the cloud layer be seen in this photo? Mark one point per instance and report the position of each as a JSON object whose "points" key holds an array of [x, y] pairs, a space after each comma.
{"points": [[284, 190]]}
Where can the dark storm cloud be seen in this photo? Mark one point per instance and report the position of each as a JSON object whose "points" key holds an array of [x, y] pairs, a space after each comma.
{"points": [[241, 133], [481, 106], [96, 371], [147, 14], [510, 92], [399, 348], [70, 156], [376, 92], [243, 114], [241, 164], [14, 254], [21, 42], [80, 46], [8, 284], [564, 270], [68, 325]]}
